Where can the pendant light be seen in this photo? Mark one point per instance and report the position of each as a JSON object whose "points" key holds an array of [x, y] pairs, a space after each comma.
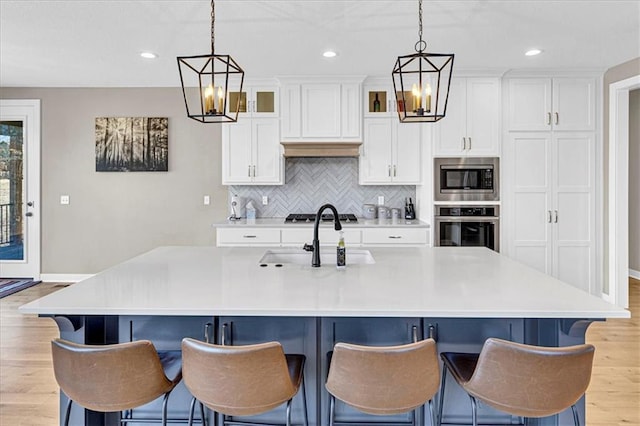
{"points": [[208, 80], [421, 82]]}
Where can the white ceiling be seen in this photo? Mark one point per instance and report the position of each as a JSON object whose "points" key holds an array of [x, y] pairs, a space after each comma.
{"points": [[76, 43]]}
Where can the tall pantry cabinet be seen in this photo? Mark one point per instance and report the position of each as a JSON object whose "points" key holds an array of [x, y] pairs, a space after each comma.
{"points": [[549, 177]]}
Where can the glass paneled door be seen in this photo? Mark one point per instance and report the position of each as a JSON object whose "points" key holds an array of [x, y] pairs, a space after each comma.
{"points": [[19, 188]]}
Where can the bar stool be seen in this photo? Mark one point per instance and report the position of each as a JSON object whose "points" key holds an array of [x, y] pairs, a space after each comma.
{"points": [[112, 378], [242, 380], [521, 380], [384, 380]]}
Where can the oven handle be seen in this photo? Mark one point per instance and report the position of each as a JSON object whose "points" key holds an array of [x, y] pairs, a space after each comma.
{"points": [[467, 218]]}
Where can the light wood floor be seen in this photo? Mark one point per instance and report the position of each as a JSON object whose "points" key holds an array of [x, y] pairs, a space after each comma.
{"points": [[28, 388]]}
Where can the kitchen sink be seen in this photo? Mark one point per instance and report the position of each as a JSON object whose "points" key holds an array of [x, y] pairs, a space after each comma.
{"points": [[328, 256]]}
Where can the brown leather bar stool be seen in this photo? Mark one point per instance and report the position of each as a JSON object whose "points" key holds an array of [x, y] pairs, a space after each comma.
{"points": [[521, 380], [111, 378], [384, 380], [242, 380]]}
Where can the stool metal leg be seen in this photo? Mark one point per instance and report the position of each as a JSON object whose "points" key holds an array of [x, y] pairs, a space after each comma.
{"points": [[289, 413], [441, 396], [474, 411], [432, 417], [191, 409], [68, 413], [576, 419], [304, 403], [204, 420], [332, 407], [164, 409]]}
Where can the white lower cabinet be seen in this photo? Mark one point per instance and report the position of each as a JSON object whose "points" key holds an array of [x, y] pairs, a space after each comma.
{"points": [[395, 236], [550, 204], [248, 237]]}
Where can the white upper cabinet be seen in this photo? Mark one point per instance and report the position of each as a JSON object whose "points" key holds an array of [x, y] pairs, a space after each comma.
{"points": [[539, 104], [472, 122], [391, 152], [321, 110], [255, 101], [251, 153]]}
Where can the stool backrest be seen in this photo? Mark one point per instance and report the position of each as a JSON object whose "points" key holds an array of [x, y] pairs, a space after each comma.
{"points": [[237, 380], [384, 380], [531, 381], [109, 378]]}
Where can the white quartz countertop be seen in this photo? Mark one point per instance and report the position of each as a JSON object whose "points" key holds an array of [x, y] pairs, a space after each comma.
{"points": [[469, 282], [278, 222]]}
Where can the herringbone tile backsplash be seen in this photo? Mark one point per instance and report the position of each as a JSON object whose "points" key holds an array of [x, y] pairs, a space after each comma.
{"points": [[311, 182]]}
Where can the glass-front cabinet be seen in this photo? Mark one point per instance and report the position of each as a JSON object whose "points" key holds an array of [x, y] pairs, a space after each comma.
{"points": [[255, 101], [380, 101]]}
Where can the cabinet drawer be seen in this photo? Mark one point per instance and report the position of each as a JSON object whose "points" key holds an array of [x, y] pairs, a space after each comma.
{"points": [[248, 236], [395, 236], [328, 236]]}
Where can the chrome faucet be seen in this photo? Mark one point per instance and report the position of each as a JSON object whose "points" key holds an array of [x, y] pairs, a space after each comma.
{"points": [[315, 245]]}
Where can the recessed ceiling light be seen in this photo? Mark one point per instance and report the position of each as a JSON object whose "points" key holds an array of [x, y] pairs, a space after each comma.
{"points": [[533, 52], [329, 54], [148, 55]]}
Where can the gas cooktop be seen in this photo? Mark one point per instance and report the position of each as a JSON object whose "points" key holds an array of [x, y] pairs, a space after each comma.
{"points": [[311, 217]]}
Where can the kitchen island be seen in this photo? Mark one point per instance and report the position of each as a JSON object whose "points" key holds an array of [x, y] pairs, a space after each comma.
{"points": [[459, 296]]}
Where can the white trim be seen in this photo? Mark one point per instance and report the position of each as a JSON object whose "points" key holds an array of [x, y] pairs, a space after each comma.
{"points": [[64, 278], [618, 191], [634, 274]]}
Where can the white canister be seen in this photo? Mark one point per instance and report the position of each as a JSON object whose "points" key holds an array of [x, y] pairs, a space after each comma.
{"points": [[395, 214], [383, 212]]}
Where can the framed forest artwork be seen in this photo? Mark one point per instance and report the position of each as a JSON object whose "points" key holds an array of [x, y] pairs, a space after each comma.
{"points": [[132, 144]]}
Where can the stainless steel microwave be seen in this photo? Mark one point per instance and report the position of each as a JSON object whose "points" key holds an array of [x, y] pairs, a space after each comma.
{"points": [[467, 179]]}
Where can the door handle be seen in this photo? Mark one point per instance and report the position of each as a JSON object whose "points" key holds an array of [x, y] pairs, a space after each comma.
{"points": [[249, 170], [207, 332], [414, 333], [549, 118], [395, 237], [254, 171], [555, 220], [464, 143], [30, 203], [469, 142], [395, 172], [549, 217], [249, 236], [223, 338], [557, 118], [28, 214], [389, 170]]}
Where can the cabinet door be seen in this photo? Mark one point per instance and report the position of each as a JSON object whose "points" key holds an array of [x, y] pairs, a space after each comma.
{"points": [[267, 158], [379, 101], [407, 153], [529, 105], [574, 103], [450, 131], [321, 110], [236, 152], [483, 116], [350, 112], [264, 102], [574, 208], [527, 174], [291, 112], [375, 161]]}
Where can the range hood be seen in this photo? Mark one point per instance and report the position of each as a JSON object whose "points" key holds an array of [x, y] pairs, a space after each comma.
{"points": [[321, 149]]}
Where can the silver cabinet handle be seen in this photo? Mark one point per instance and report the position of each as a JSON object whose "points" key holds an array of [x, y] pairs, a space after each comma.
{"points": [[223, 338], [28, 214], [389, 170], [549, 118], [557, 118], [254, 171], [249, 236], [249, 170], [555, 220], [469, 138], [395, 237], [395, 172], [464, 143], [549, 217], [433, 332], [414, 333]]}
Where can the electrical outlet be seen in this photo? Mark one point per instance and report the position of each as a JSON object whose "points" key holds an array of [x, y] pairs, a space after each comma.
{"points": [[381, 200], [64, 199], [265, 200], [207, 200]]}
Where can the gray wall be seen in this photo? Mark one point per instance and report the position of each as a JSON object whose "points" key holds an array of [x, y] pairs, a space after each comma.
{"points": [[115, 216], [634, 180]]}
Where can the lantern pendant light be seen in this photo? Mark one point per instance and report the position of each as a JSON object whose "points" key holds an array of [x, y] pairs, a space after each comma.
{"points": [[208, 81], [421, 82]]}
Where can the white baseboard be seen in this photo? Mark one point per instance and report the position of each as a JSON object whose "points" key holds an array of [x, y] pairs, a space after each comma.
{"points": [[64, 278], [634, 274]]}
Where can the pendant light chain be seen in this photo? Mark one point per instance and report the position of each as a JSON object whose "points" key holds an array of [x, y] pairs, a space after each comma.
{"points": [[421, 45], [213, 23]]}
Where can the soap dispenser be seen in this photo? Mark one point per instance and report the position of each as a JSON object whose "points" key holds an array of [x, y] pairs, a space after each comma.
{"points": [[341, 260]]}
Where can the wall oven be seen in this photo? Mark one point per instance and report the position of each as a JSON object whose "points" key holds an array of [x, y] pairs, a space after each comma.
{"points": [[467, 179], [468, 226]]}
